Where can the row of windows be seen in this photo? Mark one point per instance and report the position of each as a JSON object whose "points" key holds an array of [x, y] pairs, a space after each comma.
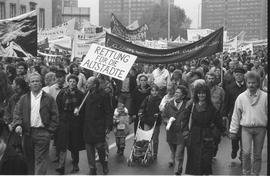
{"points": [[13, 12]]}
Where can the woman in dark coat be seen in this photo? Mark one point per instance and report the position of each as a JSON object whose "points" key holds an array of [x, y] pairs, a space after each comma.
{"points": [[172, 115], [20, 87], [151, 114], [201, 139], [137, 96], [69, 134], [5, 92]]}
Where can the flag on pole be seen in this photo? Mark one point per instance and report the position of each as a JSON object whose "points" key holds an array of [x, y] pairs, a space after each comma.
{"points": [[18, 36]]}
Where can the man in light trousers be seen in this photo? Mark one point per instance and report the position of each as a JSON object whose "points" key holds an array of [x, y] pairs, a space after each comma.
{"points": [[250, 111]]}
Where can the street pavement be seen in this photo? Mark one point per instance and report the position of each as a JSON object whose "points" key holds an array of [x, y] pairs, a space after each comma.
{"points": [[222, 163]]}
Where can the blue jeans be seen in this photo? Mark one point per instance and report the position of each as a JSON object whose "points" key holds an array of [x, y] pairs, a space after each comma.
{"points": [[255, 135]]}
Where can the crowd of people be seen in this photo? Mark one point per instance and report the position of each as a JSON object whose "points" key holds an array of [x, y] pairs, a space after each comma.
{"points": [[76, 108]]}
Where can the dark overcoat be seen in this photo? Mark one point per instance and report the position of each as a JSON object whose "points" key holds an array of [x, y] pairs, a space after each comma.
{"points": [[12, 163], [201, 147], [98, 116], [69, 134], [174, 135]]}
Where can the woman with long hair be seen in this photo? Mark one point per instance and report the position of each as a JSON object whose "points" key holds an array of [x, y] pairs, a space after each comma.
{"points": [[20, 87], [199, 119], [5, 92]]}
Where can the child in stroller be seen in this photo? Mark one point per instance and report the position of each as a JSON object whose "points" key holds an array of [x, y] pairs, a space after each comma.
{"points": [[121, 127]]}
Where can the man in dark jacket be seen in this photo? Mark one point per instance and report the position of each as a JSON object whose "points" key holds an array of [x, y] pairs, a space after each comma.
{"points": [[36, 118], [231, 93], [97, 114]]}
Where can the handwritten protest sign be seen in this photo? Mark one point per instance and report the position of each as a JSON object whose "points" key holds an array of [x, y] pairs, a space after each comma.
{"points": [[108, 61]]}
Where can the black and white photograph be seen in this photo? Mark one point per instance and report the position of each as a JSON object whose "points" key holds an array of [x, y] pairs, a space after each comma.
{"points": [[134, 87]]}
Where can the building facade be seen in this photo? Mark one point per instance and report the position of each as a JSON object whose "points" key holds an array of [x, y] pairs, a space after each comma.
{"points": [[126, 11], [71, 10], [236, 16], [12, 8], [56, 12]]}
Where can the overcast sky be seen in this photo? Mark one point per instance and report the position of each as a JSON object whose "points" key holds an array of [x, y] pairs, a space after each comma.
{"points": [[191, 8]]}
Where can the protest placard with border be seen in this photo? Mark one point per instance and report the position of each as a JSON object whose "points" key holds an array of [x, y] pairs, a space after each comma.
{"points": [[108, 61]]}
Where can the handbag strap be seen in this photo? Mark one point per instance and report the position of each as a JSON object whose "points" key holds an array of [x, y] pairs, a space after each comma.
{"points": [[190, 117]]}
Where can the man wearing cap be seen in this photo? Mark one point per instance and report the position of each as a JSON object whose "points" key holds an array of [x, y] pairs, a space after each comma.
{"points": [[231, 93]]}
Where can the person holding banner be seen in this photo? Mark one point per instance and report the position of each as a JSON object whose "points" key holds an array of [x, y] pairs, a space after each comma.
{"points": [[98, 120]]}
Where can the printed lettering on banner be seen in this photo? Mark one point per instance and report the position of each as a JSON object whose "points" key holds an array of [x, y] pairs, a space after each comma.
{"points": [[108, 61]]}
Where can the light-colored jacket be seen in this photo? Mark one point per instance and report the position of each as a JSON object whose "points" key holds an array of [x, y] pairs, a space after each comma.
{"points": [[249, 111]]}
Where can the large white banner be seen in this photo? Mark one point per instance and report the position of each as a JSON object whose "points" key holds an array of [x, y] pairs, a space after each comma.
{"points": [[82, 42], [65, 29], [108, 61], [196, 34]]}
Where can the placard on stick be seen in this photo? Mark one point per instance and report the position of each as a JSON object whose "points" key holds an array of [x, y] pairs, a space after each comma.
{"points": [[108, 61]]}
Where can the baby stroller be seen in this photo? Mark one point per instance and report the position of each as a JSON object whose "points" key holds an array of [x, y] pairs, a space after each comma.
{"points": [[142, 148]]}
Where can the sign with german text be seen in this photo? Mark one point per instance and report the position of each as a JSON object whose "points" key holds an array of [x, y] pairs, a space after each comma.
{"points": [[108, 61]]}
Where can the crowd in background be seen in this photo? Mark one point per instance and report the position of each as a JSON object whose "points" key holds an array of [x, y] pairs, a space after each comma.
{"points": [[193, 99]]}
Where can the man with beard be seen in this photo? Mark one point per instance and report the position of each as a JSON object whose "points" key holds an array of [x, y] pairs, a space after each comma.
{"points": [[22, 70], [161, 78], [232, 92], [217, 98], [251, 114]]}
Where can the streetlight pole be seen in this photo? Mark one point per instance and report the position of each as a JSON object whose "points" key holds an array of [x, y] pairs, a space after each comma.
{"points": [[129, 12], [169, 18]]}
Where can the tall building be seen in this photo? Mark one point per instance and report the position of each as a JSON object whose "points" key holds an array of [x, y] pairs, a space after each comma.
{"points": [[236, 16], [56, 12], [126, 11], [12, 8], [71, 10]]}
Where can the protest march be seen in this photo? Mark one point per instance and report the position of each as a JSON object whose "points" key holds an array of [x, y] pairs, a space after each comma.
{"points": [[67, 97]]}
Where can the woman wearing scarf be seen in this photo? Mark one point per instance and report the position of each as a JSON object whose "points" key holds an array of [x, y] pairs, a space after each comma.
{"points": [[69, 133]]}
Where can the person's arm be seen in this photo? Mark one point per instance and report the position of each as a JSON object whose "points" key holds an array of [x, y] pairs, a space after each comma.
{"points": [[18, 114], [54, 116], [8, 114], [108, 112], [236, 116]]}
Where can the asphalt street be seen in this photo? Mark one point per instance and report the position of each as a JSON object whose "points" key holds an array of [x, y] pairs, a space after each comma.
{"points": [[222, 163]]}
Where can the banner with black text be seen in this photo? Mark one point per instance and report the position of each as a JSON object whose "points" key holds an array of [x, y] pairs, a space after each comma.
{"points": [[108, 61]]}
